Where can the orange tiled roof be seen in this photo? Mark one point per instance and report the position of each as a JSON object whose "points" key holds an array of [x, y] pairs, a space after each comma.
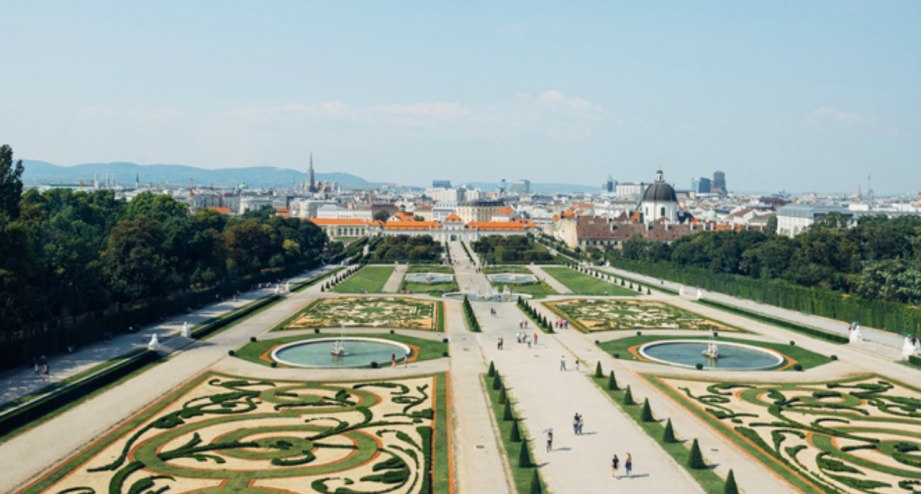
{"points": [[221, 210], [338, 221], [504, 211], [453, 218], [581, 204], [496, 225], [411, 225], [403, 216]]}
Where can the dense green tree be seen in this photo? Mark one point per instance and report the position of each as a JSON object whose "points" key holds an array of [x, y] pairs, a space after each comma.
{"points": [[135, 263], [10, 182]]}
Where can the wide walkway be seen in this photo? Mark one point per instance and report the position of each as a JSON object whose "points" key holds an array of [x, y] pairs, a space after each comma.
{"points": [[547, 398], [396, 279], [550, 280]]}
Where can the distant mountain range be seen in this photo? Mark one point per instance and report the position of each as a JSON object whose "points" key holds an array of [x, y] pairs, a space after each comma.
{"points": [[41, 172], [124, 173]]}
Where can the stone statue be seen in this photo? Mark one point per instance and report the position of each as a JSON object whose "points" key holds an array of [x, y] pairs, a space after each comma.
{"points": [[186, 330]]}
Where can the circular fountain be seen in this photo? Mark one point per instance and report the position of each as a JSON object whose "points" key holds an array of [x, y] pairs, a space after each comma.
{"points": [[429, 278], [512, 278], [349, 351], [727, 356]]}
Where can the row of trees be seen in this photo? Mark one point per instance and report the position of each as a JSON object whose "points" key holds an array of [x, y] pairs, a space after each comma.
{"points": [[879, 258], [406, 248], [66, 253], [497, 249]]}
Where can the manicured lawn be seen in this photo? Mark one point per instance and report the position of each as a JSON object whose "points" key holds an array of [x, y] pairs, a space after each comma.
{"points": [[536, 290], [582, 284], [806, 358], [428, 349], [369, 279]]}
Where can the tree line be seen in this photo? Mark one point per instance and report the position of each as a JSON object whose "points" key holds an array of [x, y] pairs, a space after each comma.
{"points": [[66, 253], [498, 249], [869, 272]]}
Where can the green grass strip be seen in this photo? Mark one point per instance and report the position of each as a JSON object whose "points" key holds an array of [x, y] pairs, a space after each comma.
{"points": [[521, 477], [583, 284], [441, 478], [709, 481], [369, 279]]}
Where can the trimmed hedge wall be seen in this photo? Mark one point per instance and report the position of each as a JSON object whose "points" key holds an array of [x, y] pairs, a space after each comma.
{"points": [[20, 349], [39, 407]]}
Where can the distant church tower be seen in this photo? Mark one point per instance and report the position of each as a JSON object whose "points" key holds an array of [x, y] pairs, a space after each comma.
{"points": [[311, 180]]}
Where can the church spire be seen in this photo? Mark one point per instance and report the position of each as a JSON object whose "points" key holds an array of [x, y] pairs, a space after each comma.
{"points": [[311, 182]]}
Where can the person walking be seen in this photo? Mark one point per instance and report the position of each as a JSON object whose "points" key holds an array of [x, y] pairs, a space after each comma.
{"points": [[393, 360], [499, 344], [577, 365], [405, 360], [47, 372], [575, 424], [535, 338], [628, 465], [549, 440], [615, 462], [563, 362]]}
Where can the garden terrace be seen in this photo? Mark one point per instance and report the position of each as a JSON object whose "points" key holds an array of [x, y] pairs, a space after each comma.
{"points": [[591, 315], [855, 435], [232, 434], [370, 312]]}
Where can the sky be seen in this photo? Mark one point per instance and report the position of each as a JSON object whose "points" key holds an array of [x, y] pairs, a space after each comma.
{"points": [[781, 95]]}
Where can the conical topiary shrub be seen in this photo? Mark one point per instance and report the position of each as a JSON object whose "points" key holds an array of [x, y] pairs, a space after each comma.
{"points": [[598, 372], [492, 369], [524, 457], [647, 412], [628, 397], [536, 488], [507, 414], [612, 382], [496, 381], [669, 435], [502, 395], [515, 434], [696, 460], [731, 487]]}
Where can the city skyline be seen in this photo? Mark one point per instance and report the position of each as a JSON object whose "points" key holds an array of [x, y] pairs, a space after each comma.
{"points": [[781, 96]]}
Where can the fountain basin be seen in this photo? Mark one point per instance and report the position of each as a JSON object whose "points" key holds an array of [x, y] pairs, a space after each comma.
{"points": [[488, 297], [512, 278], [316, 353], [429, 277], [733, 356]]}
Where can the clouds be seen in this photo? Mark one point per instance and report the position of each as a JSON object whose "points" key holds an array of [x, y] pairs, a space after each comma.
{"points": [[521, 112], [829, 116]]}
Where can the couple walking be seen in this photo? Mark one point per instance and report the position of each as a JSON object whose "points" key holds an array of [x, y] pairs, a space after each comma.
{"points": [[628, 465]]}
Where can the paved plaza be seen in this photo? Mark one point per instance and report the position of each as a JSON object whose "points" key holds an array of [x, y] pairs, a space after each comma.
{"points": [[545, 395]]}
